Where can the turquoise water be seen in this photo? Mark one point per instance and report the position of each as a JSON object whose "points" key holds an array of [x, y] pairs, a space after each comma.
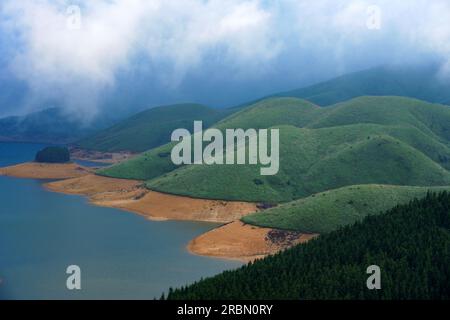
{"points": [[121, 255]]}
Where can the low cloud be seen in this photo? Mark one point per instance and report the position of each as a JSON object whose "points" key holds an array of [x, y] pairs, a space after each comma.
{"points": [[77, 63], [248, 38]]}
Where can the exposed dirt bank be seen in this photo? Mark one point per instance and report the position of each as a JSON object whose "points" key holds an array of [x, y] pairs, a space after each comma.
{"points": [[130, 195], [234, 240], [33, 170], [245, 242]]}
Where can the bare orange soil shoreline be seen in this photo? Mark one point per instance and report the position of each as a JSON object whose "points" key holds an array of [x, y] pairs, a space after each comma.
{"points": [[33, 170], [241, 241], [234, 240], [132, 196]]}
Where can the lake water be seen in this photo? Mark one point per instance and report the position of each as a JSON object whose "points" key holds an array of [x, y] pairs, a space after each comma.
{"points": [[121, 255]]}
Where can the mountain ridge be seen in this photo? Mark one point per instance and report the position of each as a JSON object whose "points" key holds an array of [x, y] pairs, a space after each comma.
{"points": [[307, 153]]}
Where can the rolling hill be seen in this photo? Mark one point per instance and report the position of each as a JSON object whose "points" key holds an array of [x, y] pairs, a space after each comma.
{"points": [[383, 140], [420, 82], [309, 163], [409, 243], [273, 111], [338, 164], [328, 211], [149, 165], [151, 128], [157, 162]]}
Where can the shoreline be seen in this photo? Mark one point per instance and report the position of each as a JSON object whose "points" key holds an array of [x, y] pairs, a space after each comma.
{"points": [[77, 153], [253, 242], [45, 171], [130, 195], [233, 240]]}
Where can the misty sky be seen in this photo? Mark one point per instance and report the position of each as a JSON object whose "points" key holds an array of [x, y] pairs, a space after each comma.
{"points": [[133, 54]]}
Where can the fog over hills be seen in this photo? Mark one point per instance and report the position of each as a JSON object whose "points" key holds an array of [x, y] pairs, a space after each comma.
{"points": [[57, 124], [419, 82], [214, 53]]}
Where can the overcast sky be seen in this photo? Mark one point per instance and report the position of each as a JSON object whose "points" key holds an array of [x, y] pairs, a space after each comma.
{"points": [[78, 53]]}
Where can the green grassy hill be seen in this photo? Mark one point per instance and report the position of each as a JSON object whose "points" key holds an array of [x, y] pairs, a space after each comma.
{"points": [[311, 161], [368, 140], [418, 82], [151, 128], [273, 111], [432, 119], [330, 210], [157, 161], [409, 243], [149, 165]]}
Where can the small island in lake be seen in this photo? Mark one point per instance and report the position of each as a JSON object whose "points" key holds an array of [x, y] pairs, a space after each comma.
{"points": [[53, 155]]}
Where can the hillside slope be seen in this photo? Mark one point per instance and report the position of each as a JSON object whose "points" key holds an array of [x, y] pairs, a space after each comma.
{"points": [[273, 111], [148, 165], [368, 140], [432, 119], [311, 161], [330, 210], [151, 128], [416, 82], [409, 243], [47, 126], [156, 162]]}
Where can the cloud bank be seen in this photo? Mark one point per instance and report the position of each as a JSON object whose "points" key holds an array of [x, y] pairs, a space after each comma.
{"points": [[72, 51]]}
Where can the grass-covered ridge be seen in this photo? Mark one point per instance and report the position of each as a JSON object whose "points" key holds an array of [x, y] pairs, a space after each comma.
{"points": [[149, 165], [368, 140], [419, 82], [330, 210], [311, 161], [157, 162], [151, 128], [432, 119], [271, 112], [409, 243]]}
